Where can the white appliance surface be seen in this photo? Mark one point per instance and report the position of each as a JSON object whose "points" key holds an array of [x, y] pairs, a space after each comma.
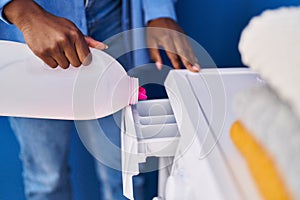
{"points": [[206, 156]]}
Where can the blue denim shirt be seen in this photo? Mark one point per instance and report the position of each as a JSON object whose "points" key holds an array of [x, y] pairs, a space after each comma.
{"points": [[135, 14], [141, 12]]}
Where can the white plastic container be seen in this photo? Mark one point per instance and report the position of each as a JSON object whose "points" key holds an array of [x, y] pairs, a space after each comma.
{"points": [[29, 88]]}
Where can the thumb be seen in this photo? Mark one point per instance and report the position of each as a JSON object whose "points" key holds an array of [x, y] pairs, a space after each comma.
{"points": [[94, 43]]}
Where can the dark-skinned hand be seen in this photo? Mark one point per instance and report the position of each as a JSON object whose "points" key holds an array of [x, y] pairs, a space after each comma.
{"points": [[166, 33], [57, 41]]}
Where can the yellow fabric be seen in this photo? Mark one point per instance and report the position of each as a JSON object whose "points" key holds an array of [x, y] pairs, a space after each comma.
{"points": [[261, 166]]}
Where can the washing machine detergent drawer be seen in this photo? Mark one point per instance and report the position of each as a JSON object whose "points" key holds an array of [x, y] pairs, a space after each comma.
{"points": [[193, 126]]}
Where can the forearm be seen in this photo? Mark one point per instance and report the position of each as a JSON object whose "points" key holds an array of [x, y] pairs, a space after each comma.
{"points": [[21, 12]]}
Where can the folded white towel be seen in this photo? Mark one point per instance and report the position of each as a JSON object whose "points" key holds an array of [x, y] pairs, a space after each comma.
{"points": [[273, 123], [270, 45]]}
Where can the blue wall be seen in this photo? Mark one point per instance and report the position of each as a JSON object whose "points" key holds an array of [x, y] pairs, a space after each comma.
{"points": [[215, 24]]}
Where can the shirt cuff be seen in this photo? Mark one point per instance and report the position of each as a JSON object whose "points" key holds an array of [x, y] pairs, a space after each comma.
{"points": [[154, 9], [2, 4]]}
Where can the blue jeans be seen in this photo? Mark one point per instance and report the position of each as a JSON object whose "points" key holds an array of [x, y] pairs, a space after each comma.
{"points": [[44, 143]]}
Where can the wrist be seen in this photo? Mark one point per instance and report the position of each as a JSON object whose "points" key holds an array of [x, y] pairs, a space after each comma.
{"points": [[20, 12], [152, 22]]}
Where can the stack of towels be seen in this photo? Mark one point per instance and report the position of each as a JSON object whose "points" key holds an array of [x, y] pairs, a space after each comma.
{"points": [[267, 132]]}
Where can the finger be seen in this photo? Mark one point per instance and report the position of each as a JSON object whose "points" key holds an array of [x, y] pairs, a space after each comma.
{"points": [[152, 45], [61, 59], [191, 67], [195, 67], [190, 54], [83, 50], [50, 62], [174, 60], [169, 47], [185, 52], [71, 54], [187, 56], [95, 44], [155, 56]]}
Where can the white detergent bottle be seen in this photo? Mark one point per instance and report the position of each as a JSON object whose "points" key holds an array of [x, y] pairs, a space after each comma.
{"points": [[29, 88]]}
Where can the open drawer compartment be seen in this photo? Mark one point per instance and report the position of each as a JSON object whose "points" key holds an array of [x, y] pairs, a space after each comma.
{"points": [[149, 124], [148, 129]]}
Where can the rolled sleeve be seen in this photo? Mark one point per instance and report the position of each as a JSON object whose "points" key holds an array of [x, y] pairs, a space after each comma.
{"points": [[2, 4], [154, 9]]}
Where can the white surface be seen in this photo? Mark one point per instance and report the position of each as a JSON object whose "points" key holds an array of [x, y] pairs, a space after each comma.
{"points": [[140, 141], [205, 153], [129, 145], [159, 107], [270, 45], [163, 119], [29, 88], [157, 130], [192, 178]]}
